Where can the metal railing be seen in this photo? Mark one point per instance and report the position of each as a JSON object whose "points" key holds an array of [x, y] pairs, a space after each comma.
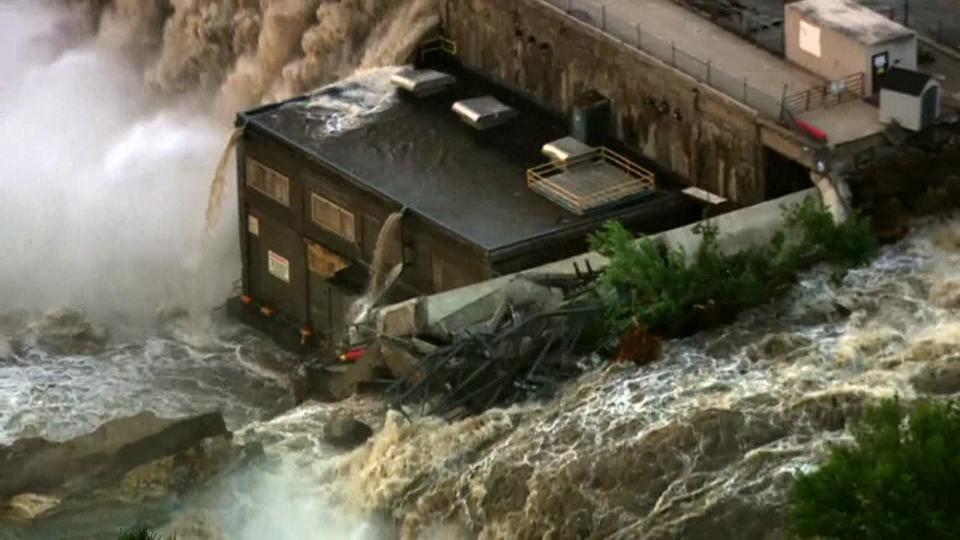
{"points": [[827, 95], [438, 44], [638, 179], [734, 86]]}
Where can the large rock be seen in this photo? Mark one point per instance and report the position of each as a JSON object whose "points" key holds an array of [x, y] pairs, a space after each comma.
{"points": [[938, 378], [132, 459], [346, 433]]}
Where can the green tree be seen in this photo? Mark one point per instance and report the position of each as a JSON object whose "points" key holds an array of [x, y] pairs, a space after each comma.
{"points": [[663, 288], [900, 480]]}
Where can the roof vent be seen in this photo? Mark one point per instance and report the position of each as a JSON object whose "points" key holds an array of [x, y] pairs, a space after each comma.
{"points": [[564, 149], [423, 82], [484, 112]]}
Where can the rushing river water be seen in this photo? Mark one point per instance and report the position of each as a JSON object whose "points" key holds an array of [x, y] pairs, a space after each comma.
{"points": [[225, 369], [107, 215], [699, 445]]}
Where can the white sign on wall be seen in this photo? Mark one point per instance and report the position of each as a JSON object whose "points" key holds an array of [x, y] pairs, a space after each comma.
{"points": [[253, 225], [810, 38], [278, 266]]}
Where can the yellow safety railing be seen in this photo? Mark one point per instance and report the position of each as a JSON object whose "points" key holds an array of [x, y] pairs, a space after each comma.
{"points": [[639, 179], [438, 44]]}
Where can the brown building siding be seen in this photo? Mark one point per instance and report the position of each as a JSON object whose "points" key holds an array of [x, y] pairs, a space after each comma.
{"points": [[434, 259]]}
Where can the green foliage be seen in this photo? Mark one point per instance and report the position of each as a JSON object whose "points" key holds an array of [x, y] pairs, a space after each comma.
{"points": [[663, 288], [847, 244], [140, 533], [899, 481]]}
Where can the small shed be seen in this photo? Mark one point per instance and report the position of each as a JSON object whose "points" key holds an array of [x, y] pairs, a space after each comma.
{"points": [[910, 98], [839, 38]]}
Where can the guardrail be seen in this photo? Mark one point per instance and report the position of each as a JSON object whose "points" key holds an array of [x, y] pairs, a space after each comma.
{"points": [[734, 86], [438, 44], [638, 179], [827, 95]]}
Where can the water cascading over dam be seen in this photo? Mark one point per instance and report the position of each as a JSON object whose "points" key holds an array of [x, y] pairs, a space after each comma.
{"points": [[108, 110]]}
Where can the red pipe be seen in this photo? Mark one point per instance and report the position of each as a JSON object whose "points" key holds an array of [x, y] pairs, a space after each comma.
{"points": [[812, 130], [353, 355]]}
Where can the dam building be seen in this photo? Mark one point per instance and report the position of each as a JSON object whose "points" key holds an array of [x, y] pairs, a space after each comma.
{"points": [[527, 124], [457, 182]]}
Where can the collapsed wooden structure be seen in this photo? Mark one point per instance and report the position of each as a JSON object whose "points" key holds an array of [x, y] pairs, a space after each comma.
{"points": [[526, 350]]}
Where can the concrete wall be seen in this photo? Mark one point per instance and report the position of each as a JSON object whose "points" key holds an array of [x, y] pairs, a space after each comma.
{"points": [[459, 308], [903, 108], [907, 110], [840, 55], [903, 54], [698, 133]]}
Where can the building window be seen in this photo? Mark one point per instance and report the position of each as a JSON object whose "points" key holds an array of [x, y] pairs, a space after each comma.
{"points": [[332, 217], [268, 181], [323, 262], [809, 38]]}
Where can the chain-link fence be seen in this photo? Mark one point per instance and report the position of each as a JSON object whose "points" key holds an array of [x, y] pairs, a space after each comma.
{"points": [[737, 87]]}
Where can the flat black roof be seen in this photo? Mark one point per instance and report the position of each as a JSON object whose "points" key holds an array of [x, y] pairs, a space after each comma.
{"points": [[423, 156], [904, 81]]}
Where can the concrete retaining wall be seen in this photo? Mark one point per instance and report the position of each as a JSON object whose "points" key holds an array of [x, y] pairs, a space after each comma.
{"points": [[698, 133], [476, 303]]}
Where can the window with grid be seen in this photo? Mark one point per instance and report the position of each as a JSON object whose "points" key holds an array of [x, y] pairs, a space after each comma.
{"points": [[332, 217], [268, 181]]}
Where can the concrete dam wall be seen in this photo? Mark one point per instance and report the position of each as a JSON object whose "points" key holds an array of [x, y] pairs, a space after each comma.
{"points": [[705, 137]]}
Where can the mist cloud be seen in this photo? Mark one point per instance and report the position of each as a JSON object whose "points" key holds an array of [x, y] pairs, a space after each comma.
{"points": [[102, 186]]}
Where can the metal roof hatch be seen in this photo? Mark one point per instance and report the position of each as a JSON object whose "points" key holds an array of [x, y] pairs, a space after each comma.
{"points": [[484, 112], [565, 149], [423, 82]]}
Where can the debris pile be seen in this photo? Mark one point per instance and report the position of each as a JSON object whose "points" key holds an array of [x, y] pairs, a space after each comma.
{"points": [[519, 358], [459, 362]]}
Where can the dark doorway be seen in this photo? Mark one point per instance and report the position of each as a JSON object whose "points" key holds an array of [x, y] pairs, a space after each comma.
{"points": [[928, 106], [879, 65], [328, 310], [277, 267], [784, 175]]}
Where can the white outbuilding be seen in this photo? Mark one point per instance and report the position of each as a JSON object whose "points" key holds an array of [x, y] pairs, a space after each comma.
{"points": [[837, 39], [910, 98]]}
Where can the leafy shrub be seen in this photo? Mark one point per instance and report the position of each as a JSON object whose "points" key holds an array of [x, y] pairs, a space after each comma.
{"points": [[663, 288], [846, 244], [900, 480], [139, 533]]}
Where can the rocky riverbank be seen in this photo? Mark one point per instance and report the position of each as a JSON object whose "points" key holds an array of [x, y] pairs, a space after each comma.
{"points": [[125, 465]]}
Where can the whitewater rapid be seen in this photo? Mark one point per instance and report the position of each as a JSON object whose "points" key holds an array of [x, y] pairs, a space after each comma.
{"points": [[103, 208], [701, 444]]}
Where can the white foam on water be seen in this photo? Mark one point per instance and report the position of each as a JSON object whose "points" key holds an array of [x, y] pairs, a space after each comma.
{"points": [[349, 103], [62, 397]]}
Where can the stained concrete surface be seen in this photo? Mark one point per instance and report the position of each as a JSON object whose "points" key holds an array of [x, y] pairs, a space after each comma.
{"points": [[945, 67], [846, 122], [706, 41]]}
